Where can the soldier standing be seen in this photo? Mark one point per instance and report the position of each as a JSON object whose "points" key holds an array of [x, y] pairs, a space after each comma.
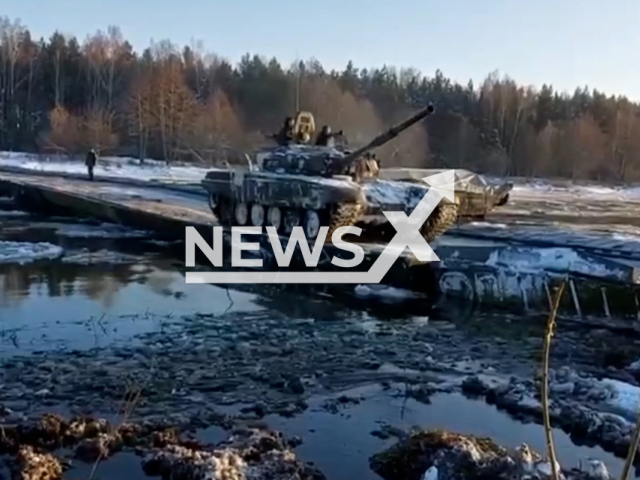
{"points": [[90, 162], [326, 138], [285, 136]]}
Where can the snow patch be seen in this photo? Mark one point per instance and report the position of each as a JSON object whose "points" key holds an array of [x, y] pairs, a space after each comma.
{"points": [[535, 188], [388, 193], [104, 230], [488, 224], [107, 167], [553, 259], [622, 397], [159, 171], [25, 252], [625, 237], [13, 213], [100, 257], [385, 293]]}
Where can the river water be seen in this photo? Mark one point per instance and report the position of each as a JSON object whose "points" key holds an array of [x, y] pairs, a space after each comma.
{"points": [[117, 291]]}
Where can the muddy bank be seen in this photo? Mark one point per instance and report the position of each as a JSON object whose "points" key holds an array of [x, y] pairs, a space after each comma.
{"points": [[269, 362], [275, 358], [593, 411], [342, 431], [439, 454], [338, 434], [34, 451]]}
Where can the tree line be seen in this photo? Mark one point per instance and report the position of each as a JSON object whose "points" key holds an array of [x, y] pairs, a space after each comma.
{"points": [[61, 95]]}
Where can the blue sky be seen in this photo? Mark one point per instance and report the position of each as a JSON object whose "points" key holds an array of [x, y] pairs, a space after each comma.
{"points": [[567, 43]]}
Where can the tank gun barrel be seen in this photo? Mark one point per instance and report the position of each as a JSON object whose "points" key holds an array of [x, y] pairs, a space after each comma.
{"points": [[389, 134]]}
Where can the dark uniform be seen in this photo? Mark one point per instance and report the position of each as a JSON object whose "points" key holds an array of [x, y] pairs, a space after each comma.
{"points": [[286, 135], [326, 138], [90, 162]]}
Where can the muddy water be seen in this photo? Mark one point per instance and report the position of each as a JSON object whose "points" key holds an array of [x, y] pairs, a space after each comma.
{"points": [[110, 291], [73, 306], [340, 444], [106, 289]]}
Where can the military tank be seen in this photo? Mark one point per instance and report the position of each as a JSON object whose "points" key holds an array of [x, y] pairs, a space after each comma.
{"points": [[313, 186], [475, 195]]}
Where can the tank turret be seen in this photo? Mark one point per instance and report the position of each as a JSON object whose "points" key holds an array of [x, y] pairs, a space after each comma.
{"points": [[324, 161]]}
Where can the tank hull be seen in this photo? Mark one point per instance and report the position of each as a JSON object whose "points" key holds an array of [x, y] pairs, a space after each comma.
{"points": [[281, 190], [475, 196], [387, 195], [340, 201]]}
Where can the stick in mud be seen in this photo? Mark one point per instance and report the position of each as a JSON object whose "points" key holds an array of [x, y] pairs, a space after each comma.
{"points": [[550, 328], [546, 352], [129, 401], [633, 448]]}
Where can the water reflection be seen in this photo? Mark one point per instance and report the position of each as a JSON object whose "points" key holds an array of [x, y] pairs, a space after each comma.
{"points": [[72, 304], [61, 279]]}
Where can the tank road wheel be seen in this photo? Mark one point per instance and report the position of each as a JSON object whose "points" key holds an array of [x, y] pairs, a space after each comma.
{"points": [[311, 224], [241, 214], [343, 215], [441, 220], [291, 219], [274, 217], [257, 215]]}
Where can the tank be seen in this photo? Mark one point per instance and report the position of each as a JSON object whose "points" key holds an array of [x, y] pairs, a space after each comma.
{"points": [[475, 195], [296, 183]]}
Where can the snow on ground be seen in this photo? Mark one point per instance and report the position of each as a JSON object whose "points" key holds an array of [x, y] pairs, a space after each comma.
{"points": [[105, 230], [488, 224], [545, 189], [108, 167], [25, 252], [154, 170], [103, 256], [13, 214], [385, 293], [623, 398], [554, 259], [625, 237]]}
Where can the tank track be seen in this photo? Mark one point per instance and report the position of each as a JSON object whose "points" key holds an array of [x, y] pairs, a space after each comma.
{"points": [[441, 220], [347, 214], [344, 215]]}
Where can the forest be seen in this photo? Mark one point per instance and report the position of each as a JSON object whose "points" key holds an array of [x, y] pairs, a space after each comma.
{"points": [[63, 95]]}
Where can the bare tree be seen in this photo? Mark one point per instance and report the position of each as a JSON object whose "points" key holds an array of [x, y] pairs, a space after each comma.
{"points": [[11, 37], [218, 128], [330, 105], [173, 108], [546, 151], [96, 130], [64, 134], [585, 146], [103, 52], [140, 111]]}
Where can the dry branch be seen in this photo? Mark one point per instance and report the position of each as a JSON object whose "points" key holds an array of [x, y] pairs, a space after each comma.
{"points": [[546, 352]]}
